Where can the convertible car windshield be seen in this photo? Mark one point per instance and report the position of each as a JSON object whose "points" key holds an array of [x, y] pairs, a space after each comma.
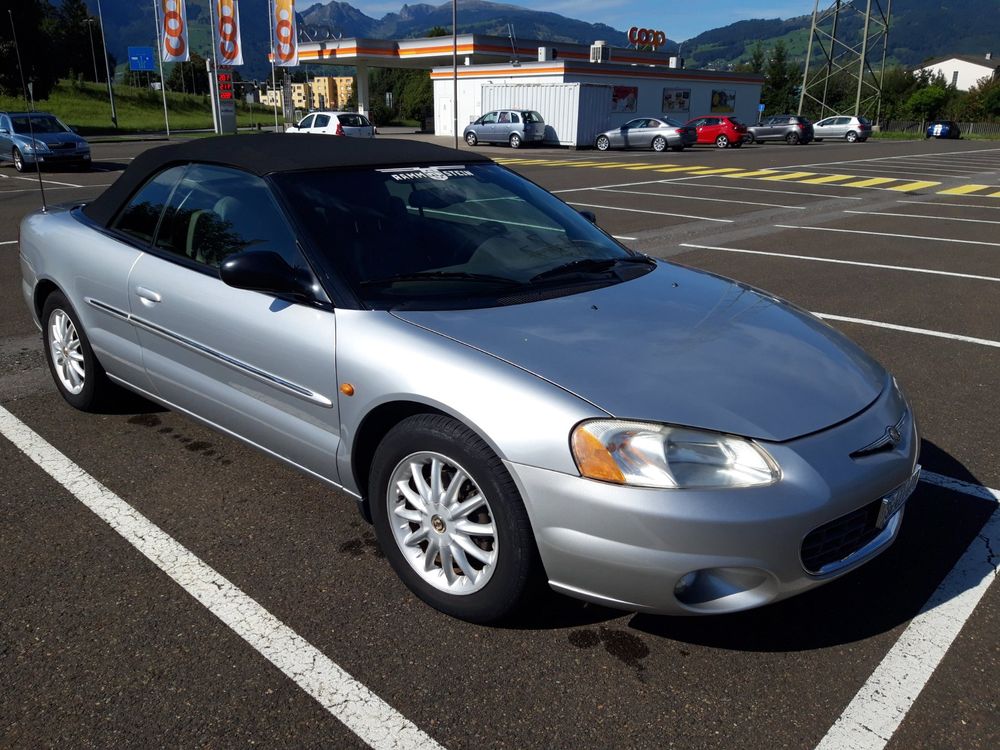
{"points": [[452, 236]]}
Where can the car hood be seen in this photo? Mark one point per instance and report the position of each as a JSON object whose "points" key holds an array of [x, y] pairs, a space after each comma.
{"points": [[680, 346], [50, 138]]}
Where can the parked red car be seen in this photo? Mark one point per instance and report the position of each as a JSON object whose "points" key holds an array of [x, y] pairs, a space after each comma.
{"points": [[722, 130]]}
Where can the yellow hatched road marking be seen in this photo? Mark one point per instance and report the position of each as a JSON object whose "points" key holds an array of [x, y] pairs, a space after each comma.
{"points": [[828, 178], [757, 173], [719, 170], [582, 163], [789, 176], [993, 195], [964, 189], [615, 164], [871, 182], [644, 166], [918, 185]]}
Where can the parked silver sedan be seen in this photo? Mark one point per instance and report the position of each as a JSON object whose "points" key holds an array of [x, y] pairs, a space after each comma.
{"points": [[657, 133], [505, 391]]}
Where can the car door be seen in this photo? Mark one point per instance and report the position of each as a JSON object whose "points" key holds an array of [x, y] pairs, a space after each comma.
{"points": [[303, 125], [6, 138], [250, 363], [840, 127], [322, 125], [627, 134], [487, 131], [775, 128], [709, 130], [503, 127]]}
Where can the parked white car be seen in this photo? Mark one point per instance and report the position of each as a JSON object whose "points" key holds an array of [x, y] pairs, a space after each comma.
{"points": [[350, 124]]}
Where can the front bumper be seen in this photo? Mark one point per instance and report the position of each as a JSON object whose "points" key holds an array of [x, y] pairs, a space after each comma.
{"points": [[68, 156], [628, 547]]}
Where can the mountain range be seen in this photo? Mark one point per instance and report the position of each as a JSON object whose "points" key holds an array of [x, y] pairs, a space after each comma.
{"points": [[921, 29]]}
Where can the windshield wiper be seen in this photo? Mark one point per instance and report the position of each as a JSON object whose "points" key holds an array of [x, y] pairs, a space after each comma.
{"points": [[442, 276], [592, 265]]}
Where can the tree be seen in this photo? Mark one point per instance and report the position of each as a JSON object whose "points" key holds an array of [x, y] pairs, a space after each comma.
{"points": [[73, 39], [756, 62], [34, 21], [928, 102], [780, 80], [439, 31], [190, 77]]}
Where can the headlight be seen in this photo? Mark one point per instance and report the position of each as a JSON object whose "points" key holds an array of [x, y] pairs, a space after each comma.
{"points": [[646, 454], [36, 146]]}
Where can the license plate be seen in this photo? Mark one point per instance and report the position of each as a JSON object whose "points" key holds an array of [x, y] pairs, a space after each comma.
{"points": [[895, 500]]}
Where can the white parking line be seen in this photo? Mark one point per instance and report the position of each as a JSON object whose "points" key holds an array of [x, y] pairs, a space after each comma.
{"points": [[921, 216], [945, 203], [47, 182], [701, 198], [359, 709], [57, 187], [909, 329], [9, 242], [622, 237], [959, 154], [875, 713], [654, 213], [844, 262], [890, 234]]}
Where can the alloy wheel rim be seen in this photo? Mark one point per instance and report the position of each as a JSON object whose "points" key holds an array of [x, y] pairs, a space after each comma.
{"points": [[442, 523], [18, 160], [67, 352], [602, 144], [659, 144]]}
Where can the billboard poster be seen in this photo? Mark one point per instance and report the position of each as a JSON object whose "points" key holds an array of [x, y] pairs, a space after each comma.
{"points": [[723, 102], [624, 98], [228, 19], [286, 39], [174, 47], [676, 101]]}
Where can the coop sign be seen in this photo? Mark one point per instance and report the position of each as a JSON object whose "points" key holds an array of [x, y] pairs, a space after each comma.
{"points": [[646, 37]]}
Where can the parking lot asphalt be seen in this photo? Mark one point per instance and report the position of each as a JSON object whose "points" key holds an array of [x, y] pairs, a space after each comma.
{"points": [[895, 242]]}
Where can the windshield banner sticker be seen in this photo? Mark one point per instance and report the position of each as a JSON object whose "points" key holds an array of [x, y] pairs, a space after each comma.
{"points": [[408, 174]]}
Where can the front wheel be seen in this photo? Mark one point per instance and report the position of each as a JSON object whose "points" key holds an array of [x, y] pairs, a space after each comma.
{"points": [[603, 143], [77, 373], [659, 143], [18, 157], [515, 140], [852, 137], [471, 139], [450, 520], [722, 142]]}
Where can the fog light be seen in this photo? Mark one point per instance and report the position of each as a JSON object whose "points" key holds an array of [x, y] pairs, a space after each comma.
{"points": [[685, 582]]}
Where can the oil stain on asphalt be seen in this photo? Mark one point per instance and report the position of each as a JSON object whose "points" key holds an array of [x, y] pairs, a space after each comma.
{"points": [[627, 648], [203, 447]]}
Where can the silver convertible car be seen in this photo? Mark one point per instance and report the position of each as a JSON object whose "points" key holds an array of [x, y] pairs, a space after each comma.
{"points": [[508, 393]]}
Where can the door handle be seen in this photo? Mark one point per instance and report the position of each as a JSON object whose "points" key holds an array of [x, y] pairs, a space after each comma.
{"points": [[147, 294]]}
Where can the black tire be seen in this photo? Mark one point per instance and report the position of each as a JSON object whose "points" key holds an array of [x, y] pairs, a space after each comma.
{"points": [[792, 139], [722, 142], [818, 140], [18, 158], [97, 389], [603, 143], [749, 138], [515, 140], [659, 144], [738, 144], [517, 556], [471, 139], [677, 148], [851, 136]]}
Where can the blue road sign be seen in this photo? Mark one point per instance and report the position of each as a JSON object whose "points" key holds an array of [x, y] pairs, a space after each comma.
{"points": [[140, 58], [760, 107]]}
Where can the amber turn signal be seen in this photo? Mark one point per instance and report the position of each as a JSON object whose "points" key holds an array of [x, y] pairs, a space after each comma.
{"points": [[593, 459], [347, 389]]}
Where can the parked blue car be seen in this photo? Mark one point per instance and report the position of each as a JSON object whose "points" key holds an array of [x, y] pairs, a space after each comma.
{"points": [[53, 142], [943, 129]]}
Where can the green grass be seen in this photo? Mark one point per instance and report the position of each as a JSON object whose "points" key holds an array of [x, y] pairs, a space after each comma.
{"points": [[85, 107]]}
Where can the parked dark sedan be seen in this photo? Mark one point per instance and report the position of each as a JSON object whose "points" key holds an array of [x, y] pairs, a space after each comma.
{"points": [[943, 129], [791, 129]]}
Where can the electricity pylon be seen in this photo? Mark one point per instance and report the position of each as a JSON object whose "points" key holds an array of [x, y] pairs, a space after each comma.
{"points": [[847, 42]]}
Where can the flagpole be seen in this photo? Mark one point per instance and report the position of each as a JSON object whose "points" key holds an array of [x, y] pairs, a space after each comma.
{"points": [[274, 76], [159, 56], [215, 70], [107, 68]]}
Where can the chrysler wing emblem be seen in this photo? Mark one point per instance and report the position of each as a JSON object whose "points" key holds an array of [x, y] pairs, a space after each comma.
{"points": [[889, 439]]}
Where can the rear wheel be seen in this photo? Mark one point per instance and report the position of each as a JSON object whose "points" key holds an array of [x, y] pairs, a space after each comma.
{"points": [[18, 159], [792, 139], [851, 136], [471, 139], [603, 143], [450, 519], [677, 148], [515, 140], [78, 375], [722, 142], [659, 143], [749, 138]]}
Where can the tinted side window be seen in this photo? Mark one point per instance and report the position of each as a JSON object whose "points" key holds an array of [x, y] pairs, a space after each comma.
{"points": [[321, 121], [514, 117], [216, 212], [306, 122], [504, 117], [138, 219]]}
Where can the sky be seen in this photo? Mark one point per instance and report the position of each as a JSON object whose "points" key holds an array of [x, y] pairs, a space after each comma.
{"points": [[679, 20]]}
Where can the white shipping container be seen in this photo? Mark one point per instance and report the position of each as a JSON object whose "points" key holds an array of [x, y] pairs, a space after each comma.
{"points": [[574, 113]]}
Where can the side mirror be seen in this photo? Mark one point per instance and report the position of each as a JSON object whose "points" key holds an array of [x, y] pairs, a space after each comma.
{"points": [[589, 216], [263, 271]]}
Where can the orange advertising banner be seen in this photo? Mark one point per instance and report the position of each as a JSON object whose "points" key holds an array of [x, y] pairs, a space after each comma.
{"points": [[227, 14], [174, 36], [286, 41]]}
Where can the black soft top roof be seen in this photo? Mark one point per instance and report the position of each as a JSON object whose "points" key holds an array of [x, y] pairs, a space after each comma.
{"points": [[269, 153]]}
